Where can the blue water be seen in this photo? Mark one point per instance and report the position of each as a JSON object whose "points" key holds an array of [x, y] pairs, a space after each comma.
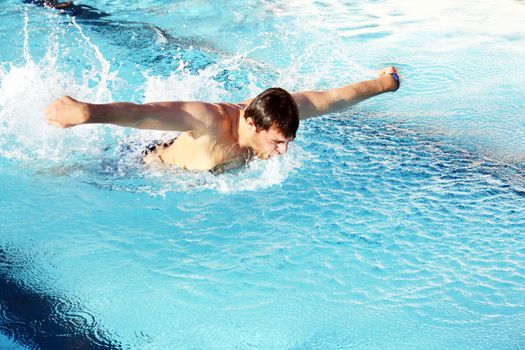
{"points": [[397, 224]]}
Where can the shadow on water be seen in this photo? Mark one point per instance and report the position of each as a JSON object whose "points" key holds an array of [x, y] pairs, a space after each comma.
{"points": [[40, 319]]}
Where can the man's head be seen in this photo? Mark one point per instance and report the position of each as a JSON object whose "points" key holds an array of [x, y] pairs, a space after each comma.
{"points": [[274, 118]]}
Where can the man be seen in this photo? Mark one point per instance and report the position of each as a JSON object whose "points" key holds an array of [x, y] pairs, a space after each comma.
{"points": [[55, 5], [214, 134], [69, 8], [51, 4]]}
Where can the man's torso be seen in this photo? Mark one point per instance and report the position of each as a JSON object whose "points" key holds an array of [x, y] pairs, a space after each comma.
{"points": [[203, 151]]}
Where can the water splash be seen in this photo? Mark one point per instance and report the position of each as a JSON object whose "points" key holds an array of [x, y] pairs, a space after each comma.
{"points": [[27, 89], [105, 75]]}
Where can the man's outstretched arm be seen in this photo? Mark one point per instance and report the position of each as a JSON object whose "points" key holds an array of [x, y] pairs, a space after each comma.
{"points": [[177, 116], [315, 103]]}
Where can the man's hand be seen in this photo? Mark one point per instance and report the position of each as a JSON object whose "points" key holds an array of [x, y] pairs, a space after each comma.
{"points": [[388, 81], [67, 112]]}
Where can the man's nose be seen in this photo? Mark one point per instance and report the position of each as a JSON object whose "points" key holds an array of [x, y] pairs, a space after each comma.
{"points": [[282, 148]]}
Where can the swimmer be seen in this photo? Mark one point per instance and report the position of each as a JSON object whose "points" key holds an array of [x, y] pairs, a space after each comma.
{"points": [[213, 134], [51, 4], [71, 9], [54, 4]]}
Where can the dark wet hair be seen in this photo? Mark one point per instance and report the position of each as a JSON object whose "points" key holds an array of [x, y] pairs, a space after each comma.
{"points": [[274, 106]]}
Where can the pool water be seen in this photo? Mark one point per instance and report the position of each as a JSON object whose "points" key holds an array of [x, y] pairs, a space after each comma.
{"points": [[397, 224]]}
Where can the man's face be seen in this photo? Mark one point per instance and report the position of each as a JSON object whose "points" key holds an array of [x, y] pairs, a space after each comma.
{"points": [[271, 142]]}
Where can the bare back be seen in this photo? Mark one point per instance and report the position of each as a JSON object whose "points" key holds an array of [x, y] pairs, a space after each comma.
{"points": [[198, 150]]}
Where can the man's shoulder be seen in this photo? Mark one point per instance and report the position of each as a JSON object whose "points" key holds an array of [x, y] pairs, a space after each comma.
{"points": [[225, 117], [227, 108]]}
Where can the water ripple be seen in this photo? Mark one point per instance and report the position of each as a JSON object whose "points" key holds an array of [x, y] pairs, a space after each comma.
{"points": [[41, 318]]}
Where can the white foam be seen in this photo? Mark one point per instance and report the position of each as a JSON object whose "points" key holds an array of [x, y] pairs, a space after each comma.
{"points": [[256, 175], [25, 92]]}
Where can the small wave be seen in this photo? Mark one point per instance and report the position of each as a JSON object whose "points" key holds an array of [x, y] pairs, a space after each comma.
{"points": [[46, 318], [431, 79]]}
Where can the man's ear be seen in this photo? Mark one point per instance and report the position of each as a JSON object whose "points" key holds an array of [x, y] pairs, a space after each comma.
{"points": [[251, 124]]}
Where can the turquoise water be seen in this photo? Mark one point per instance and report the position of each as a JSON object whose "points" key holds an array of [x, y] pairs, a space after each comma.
{"points": [[397, 224]]}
